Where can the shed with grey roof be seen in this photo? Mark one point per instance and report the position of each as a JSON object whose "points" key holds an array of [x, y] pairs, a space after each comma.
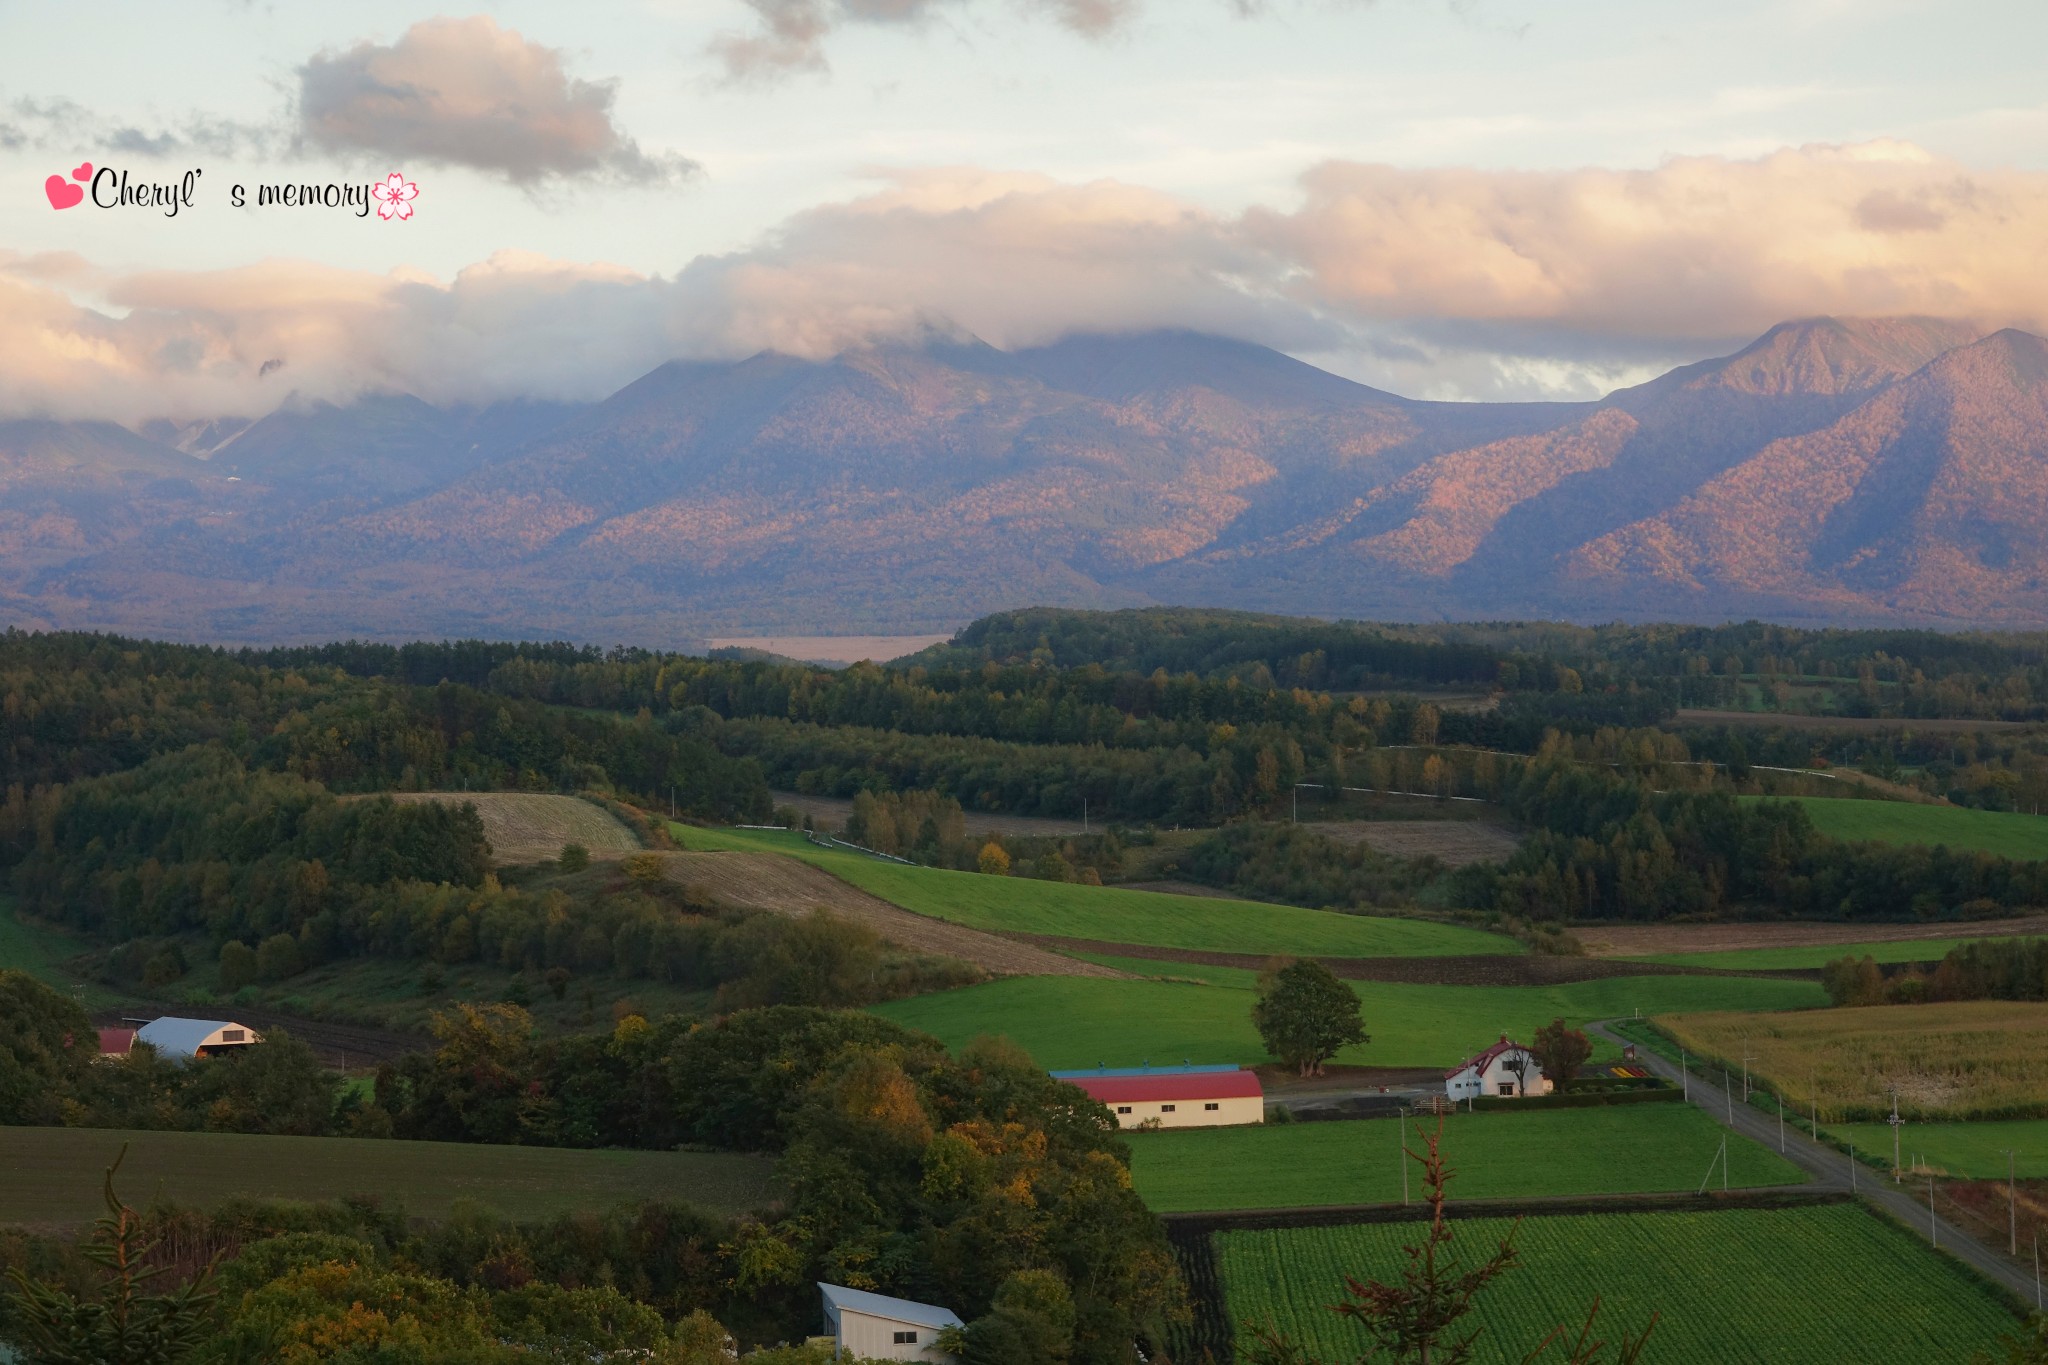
{"points": [[183, 1039], [877, 1327]]}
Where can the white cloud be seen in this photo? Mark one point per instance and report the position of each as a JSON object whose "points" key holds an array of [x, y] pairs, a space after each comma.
{"points": [[1439, 282], [467, 92]]}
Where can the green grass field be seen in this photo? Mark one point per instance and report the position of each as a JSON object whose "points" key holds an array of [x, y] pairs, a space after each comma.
{"points": [[1114, 915], [1756, 1287], [1626, 1149], [1081, 1021], [2007, 833], [1974, 1151], [53, 1174], [42, 952], [1774, 959]]}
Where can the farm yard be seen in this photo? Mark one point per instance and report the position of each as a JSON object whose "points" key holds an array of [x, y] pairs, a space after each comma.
{"points": [[1069, 1022], [530, 827], [1615, 1149], [2009, 834], [1112, 915], [1790, 1286], [54, 1174], [1962, 1060]]}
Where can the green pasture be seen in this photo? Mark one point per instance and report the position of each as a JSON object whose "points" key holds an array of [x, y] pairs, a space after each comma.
{"points": [[54, 1174], [1828, 1282], [42, 953], [1068, 1022], [2006, 833], [1775, 959], [1111, 914], [1622, 1149], [1971, 1151]]}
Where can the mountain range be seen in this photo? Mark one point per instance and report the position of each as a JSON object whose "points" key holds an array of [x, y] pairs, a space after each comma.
{"points": [[1835, 470]]}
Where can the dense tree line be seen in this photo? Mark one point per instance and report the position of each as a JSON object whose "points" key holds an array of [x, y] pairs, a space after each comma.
{"points": [[1302, 866], [1985, 969], [975, 1181], [1609, 846]]}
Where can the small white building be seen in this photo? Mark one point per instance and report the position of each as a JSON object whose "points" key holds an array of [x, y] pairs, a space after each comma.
{"points": [[1506, 1068], [1174, 1096], [180, 1040], [877, 1327]]}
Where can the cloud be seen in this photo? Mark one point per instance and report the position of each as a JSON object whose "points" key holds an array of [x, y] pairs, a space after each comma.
{"points": [[791, 33], [1435, 282], [65, 126], [466, 92]]}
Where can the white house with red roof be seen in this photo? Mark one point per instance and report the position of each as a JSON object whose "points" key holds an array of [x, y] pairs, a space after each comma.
{"points": [[1506, 1068], [1174, 1096]]}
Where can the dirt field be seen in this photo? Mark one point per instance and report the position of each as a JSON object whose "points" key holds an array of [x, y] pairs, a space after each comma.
{"points": [[529, 827], [830, 812], [1453, 843], [1857, 724], [1493, 969], [768, 881], [1645, 940]]}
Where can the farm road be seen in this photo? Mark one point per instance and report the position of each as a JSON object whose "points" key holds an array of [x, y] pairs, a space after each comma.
{"points": [[790, 886], [1831, 1170]]}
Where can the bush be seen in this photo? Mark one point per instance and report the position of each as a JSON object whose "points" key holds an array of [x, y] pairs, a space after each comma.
{"points": [[237, 966], [278, 958], [575, 857]]}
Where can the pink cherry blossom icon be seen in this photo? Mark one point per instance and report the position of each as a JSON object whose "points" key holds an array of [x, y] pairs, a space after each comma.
{"points": [[394, 196]]}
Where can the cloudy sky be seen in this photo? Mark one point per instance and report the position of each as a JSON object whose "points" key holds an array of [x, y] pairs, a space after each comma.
{"points": [[1448, 198]]}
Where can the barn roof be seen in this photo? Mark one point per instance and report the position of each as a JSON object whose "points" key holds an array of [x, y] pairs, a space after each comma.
{"points": [[1485, 1059], [882, 1306], [116, 1042], [175, 1037], [1185, 1069], [1206, 1085]]}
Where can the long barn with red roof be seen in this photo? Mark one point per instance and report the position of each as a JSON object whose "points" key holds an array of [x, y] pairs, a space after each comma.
{"points": [[1174, 1096]]}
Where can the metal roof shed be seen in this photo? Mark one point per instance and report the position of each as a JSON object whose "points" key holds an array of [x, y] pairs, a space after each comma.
{"points": [[184, 1039], [877, 1327]]}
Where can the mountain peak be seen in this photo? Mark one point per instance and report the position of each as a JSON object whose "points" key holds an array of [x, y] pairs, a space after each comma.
{"points": [[1813, 357]]}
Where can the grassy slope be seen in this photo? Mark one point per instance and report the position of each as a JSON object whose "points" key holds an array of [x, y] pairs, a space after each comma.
{"points": [[1764, 1287], [1972, 1150], [42, 952], [54, 1173], [1904, 822], [1627, 1149], [1772, 959], [1115, 915], [1080, 1022]]}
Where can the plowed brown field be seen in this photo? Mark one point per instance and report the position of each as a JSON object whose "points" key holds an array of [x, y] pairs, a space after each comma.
{"points": [[527, 827], [768, 881], [1646, 940], [1453, 843]]}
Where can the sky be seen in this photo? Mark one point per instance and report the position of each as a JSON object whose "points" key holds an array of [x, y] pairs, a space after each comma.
{"points": [[1458, 199]]}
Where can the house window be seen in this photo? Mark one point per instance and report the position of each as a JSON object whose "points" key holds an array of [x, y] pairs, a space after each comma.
{"points": [[1166, 1109], [1123, 1109], [906, 1338], [1212, 1105], [1507, 1087]]}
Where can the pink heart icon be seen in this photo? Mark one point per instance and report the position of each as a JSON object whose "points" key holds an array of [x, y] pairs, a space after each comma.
{"points": [[83, 173], [63, 194]]}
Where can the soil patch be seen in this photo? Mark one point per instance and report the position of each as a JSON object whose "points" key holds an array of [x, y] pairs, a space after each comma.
{"points": [[532, 827], [1642, 940], [789, 886], [1530, 969], [830, 812], [1453, 843]]}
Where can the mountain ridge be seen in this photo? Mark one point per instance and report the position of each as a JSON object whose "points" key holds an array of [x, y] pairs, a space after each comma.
{"points": [[1834, 469]]}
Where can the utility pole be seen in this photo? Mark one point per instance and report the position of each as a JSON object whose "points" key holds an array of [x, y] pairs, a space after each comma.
{"points": [[1781, 1125], [1684, 1073], [1728, 1089], [1745, 1078], [2012, 1206], [1896, 1122], [1933, 1227], [1852, 1168]]}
